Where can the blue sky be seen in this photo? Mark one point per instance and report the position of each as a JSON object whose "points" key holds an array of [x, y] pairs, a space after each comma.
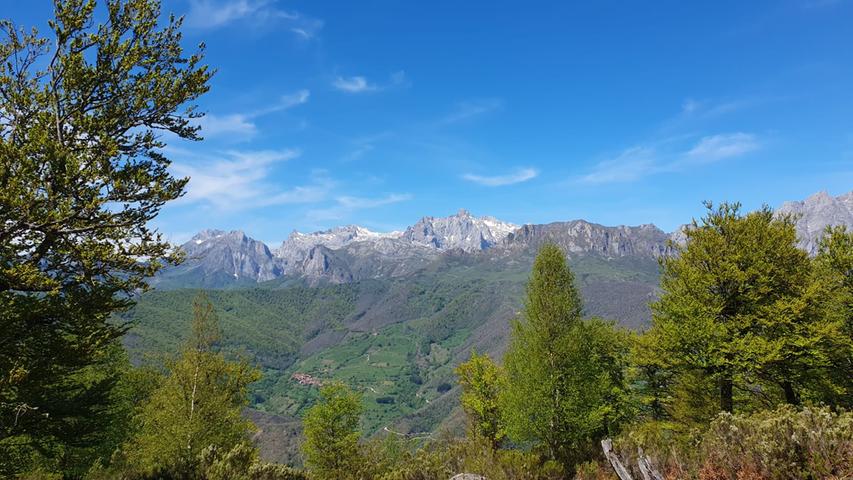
{"points": [[380, 112]]}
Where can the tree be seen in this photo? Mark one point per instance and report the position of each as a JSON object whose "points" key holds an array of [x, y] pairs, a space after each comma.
{"points": [[737, 309], [482, 382], [199, 404], [81, 174], [834, 273], [331, 433], [565, 385]]}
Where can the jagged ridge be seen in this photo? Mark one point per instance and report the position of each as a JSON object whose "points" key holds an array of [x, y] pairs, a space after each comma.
{"points": [[349, 253]]}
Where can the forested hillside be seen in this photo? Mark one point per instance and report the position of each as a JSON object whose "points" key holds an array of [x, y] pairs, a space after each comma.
{"points": [[395, 340]]}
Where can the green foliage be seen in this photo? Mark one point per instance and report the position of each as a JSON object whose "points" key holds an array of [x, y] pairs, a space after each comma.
{"points": [[81, 175], [565, 385], [781, 443], [738, 309], [198, 405], [241, 463], [444, 457], [268, 324], [331, 433], [100, 425], [834, 272], [482, 382]]}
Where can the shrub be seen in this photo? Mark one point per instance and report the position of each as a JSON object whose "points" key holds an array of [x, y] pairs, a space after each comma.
{"points": [[443, 458], [242, 463], [443, 387], [779, 444]]}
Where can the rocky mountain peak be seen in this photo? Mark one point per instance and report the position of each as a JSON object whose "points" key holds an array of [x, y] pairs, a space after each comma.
{"points": [[817, 212], [298, 244], [583, 237], [219, 236], [212, 254], [460, 231]]}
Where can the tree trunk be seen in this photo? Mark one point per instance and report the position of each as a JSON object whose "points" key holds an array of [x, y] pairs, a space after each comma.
{"points": [[726, 400], [791, 396]]}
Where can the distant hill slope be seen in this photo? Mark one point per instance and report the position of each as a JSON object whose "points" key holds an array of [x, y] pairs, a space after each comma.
{"points": [[394, 339]]}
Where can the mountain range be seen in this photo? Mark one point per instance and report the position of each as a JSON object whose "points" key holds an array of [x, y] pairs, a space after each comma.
{"points": [[339, 255], [217, 259]]}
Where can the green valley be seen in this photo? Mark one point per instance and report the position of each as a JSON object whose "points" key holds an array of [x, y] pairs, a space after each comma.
{"points": [[394, 340]]}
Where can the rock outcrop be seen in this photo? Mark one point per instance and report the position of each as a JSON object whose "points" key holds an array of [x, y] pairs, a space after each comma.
{"points": [[817, 212]]}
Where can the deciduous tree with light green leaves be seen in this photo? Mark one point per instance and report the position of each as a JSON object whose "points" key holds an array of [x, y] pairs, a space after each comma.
{"points": [[82, 172], [739, 308], [331, 446], [482, 382], [565, 376], [198, 406]]}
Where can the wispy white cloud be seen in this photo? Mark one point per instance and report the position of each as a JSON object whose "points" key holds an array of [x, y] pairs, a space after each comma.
{"points": [[358, 203], [717, 147], [399, 78], [356, 84], [359, 151], [520, 175], [360, 84], [303, 33], [239, 180], [472, 108], [639, 162], [364, 145], [285, 102], [294, 99], [632, 164], [346, 205], [241, 126], [235, 124], [209, 14], [212, 14], [313, 193], [692, 108]]}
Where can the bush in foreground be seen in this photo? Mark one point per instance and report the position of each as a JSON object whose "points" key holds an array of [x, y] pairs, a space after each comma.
{"points": [[442, 458], [780, 444]]}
